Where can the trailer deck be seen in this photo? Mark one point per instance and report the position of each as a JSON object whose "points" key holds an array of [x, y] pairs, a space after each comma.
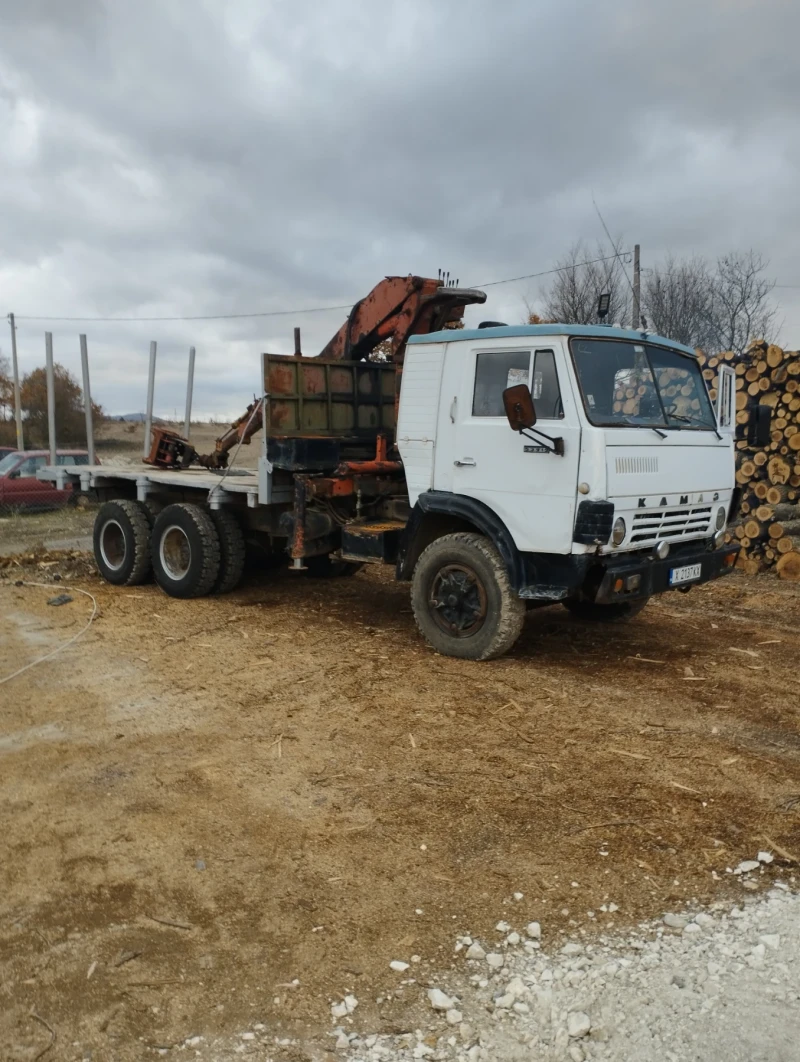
{"points": [[256, 484]]}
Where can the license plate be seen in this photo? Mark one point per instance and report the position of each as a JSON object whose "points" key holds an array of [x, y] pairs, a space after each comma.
{"points": [[686, 574]]}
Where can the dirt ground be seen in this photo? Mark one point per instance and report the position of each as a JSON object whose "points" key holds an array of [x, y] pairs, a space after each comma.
{"points": [[234, 810]]}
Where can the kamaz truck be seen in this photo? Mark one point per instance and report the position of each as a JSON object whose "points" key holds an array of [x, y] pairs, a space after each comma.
{"points": [[495, 469]]}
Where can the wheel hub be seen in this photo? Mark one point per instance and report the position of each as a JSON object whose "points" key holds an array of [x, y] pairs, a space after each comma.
{"points": [[112, 545], [175, 552], [458, 600]]}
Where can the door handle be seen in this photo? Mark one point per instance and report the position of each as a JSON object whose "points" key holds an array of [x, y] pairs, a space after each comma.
{"points": [[466, 462]]}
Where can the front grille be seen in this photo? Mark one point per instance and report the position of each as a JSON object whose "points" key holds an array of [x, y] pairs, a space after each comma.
{"points": [[670, 524]]}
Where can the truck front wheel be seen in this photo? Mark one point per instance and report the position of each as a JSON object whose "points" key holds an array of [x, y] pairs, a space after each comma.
{"points": [[121, 542], [185, 550], [462, 598], [619, 612]]}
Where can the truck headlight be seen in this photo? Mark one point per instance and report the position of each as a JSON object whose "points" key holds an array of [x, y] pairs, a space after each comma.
{"points": [[618, 532], [721, 517]]}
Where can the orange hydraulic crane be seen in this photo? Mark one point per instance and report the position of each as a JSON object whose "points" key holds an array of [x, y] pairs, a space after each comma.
{"points": [[396, 308]]}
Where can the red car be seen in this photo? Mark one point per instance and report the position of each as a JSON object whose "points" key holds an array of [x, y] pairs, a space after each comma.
{"points": [[19, 487]]}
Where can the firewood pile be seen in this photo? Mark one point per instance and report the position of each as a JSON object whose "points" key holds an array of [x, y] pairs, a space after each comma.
{"points": [[768, 523]]}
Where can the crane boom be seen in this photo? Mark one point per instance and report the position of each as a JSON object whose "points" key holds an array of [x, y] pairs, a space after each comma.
{"points": [[396, 308]]}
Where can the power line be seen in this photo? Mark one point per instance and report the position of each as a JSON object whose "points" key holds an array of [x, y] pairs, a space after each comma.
{"points": [[309, 309], [197, 317], [547, 272]]}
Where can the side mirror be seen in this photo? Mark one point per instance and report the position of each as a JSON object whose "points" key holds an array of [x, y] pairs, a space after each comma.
{"points": [[518, 405], [15, 474], [760, 432]]}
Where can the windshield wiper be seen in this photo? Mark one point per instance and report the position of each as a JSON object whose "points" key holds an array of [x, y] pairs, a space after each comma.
{"points": [[693, 420], [658, 431]]}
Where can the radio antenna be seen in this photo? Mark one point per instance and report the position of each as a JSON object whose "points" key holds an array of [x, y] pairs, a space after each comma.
{"points": [[616, 249]]}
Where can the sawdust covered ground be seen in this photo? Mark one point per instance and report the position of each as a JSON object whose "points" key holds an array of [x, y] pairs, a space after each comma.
{"points": [[235, 810]]}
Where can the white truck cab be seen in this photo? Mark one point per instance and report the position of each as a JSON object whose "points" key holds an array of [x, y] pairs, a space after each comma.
{"points": [[622, 487]]}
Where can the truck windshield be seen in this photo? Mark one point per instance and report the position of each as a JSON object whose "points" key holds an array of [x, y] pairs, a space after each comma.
{"points": [[641, 385], [8, 462]]}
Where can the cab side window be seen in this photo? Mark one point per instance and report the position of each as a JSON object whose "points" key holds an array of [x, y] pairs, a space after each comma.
{"points": [[494, 372], [545, 391]]}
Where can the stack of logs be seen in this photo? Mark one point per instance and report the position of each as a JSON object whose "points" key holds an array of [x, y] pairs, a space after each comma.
{"points": [[768, 524]]}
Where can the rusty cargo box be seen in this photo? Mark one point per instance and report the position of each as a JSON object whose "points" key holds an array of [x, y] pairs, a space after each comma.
{"points": [[311, 396]]}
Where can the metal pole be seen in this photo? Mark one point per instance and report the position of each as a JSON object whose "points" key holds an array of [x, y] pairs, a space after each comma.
{"points": [[151, 387], [297, 351], [87, 400], [51, 396], [15, 370], [187, 421], [637, 288]]}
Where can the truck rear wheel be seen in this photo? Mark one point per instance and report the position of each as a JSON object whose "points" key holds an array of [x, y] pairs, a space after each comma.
{"points": [[619, 612], [462, 598], [185, 550], [121, 542], [231, 551]]}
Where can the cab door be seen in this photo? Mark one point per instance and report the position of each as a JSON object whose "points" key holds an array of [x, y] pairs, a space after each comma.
{"points": [[478, 455]]}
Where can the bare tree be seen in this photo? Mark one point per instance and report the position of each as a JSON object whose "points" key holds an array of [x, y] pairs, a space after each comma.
{"points": [[572, 295], [678, 301], [742, 308]]}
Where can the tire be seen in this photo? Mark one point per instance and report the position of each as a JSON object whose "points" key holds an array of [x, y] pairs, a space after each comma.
{"points": [[488, 617], [323, 567], [619, 612], [185, 548], [121, 542], [232, 551]]}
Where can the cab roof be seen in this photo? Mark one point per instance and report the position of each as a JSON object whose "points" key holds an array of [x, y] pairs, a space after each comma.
{"points": [[459, 335]]}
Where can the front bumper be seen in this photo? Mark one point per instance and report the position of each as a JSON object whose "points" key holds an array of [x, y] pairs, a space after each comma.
{"points": [[619, 581]]}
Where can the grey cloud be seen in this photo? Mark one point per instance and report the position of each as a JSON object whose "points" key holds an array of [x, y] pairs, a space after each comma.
{"points": [[182, 157]]}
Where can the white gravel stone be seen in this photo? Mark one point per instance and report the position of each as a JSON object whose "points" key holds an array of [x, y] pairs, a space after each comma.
{"points": [[704, 920], [675, 921], [454, 1017], [746, 866], [519, 896], [765, 857], [770, 940], [495, 960], [440, 1000], [513, 939], [502, 927], [475, 951], [578, 1024], [398, 966], [534, 930], [692, 928], [572, 947]]}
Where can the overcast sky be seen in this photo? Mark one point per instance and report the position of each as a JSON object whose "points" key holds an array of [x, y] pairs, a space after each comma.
{"points": [[195, 157]]}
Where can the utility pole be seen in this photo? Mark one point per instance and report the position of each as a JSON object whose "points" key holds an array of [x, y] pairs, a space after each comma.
{"points": [[637, 288], [15, 370]]}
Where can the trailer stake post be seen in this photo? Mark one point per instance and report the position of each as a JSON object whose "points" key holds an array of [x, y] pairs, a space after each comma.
{"points": [[51, 396], [187, 420], [15, 372], [87, 400], [151, 387]]}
